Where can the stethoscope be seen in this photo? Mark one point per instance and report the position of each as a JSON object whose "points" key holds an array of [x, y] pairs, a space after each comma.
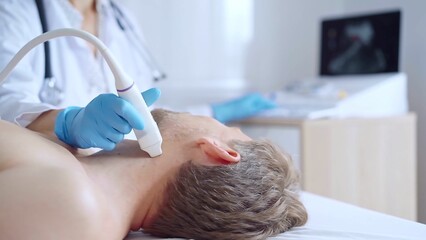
{"points": [[51, 93]]}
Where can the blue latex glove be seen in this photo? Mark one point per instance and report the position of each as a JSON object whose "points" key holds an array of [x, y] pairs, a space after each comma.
{"points": [[240, 108], [102, 123]]}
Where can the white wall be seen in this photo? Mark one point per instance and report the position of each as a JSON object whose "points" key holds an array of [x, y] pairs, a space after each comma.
{"points": [[202, 47], [285, 46]]}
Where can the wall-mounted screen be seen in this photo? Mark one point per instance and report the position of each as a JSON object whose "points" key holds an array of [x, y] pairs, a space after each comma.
{"points": [[362, 44]]}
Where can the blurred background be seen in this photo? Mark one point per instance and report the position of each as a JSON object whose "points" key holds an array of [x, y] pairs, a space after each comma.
{"points": [[212, 50]]}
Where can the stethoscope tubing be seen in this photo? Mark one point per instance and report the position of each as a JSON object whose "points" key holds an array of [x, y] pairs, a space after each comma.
{"points": [[43, 21]]}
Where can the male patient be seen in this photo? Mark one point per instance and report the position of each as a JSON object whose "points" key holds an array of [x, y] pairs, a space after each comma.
{"points": [[212, 182]]}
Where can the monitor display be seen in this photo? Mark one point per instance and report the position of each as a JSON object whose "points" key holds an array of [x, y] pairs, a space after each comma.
{"points": [[361, 44]]}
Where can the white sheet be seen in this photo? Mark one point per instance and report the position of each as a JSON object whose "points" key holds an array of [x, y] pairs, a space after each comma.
{"points": [[332, 220]]}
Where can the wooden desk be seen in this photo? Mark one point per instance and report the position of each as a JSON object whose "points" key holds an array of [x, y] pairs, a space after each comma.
{"points": [[367, 162]]}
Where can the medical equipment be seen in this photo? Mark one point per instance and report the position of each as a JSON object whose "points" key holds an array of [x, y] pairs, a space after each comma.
{"points": [[51, 93], [360, 96], [149, 139]]}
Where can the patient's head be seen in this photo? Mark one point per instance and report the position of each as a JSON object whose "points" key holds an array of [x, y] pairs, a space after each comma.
{"points": [[232, 187]]}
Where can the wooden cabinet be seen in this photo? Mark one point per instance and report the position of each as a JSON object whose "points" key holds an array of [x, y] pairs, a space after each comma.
{"points": [[367, 162]]}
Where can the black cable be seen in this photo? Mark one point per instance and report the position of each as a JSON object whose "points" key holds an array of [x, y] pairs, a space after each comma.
{"points": [[47, 63], [118, 15]]}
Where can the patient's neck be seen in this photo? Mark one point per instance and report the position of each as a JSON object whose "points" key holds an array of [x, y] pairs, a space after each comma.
{"points": [[84, 6], [132, 182]]}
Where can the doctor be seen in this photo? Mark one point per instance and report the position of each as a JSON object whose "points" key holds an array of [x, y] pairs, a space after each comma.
{"points": [[61, 89]]}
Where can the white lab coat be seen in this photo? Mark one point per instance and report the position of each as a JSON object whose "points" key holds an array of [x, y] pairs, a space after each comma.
{"points": [[80, 74]]}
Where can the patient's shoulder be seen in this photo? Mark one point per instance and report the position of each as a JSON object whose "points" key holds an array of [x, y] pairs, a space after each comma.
{"points": [[48, 203], [19, 145]]}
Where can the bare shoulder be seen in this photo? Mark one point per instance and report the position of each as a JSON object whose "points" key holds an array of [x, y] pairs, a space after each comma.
{"points": [[20, 145], [44, 191], [48, 203]]}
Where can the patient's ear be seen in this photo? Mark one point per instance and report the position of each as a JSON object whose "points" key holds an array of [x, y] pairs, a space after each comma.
{"points": [[217, 152]]}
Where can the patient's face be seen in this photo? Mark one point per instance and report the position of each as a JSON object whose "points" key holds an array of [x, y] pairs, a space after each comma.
{"points": [[177, 127]]}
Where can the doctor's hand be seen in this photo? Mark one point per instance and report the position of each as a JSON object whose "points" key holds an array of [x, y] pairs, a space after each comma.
{"points": [[240, 108], [102, 123]]}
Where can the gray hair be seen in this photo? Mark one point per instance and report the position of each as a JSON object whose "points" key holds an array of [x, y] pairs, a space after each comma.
{"points": [[253, 199]]}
